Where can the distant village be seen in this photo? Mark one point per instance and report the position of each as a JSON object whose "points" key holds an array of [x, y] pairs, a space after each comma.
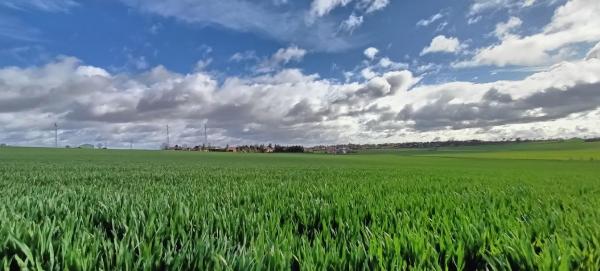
{"points": [[354, 148], [242, 148], [333, 149]]}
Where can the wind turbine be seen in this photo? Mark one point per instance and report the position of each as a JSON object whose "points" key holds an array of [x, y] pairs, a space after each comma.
{"points": [[55, 135]]}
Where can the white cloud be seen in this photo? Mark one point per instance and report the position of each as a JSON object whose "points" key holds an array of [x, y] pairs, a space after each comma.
{"points": [[45, 5], [387, 63], [594, 52], [371, 52], [428, 68], [528, 3], [137, 63], [480, 6], [430, 20], [243, 56], [262, 18], [575, 22], [352, 23], [89, 71], [474, 20], [370, 68], [441, 27], [280, 2], [319, 8], [367, 73], [374, 5], [203, 64], [504, 29], [443, 44], [281, 57], [92, 105], [285, 55], [141, 63]]}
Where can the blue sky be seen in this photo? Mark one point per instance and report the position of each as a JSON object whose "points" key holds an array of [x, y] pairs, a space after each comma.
{"points": [[342, 46], [124, 36]]}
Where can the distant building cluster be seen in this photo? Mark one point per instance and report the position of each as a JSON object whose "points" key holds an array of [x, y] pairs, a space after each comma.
{"points": [[333, 149], [242, 148], [87, 146], [324, 149]]}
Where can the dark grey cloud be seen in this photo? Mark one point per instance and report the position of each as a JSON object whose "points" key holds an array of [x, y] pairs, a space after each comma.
{"points": [[378, 87], [162, 101], [496, 108], [304, 112], [91, 105], [20, 103], [82, 112]]}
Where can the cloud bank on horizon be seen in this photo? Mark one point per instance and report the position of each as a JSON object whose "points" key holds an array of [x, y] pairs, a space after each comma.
{"points": [[321, 72]]}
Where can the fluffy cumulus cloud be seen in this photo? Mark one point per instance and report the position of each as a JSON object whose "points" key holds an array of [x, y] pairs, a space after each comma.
{"points": [[574, 23], [371, 52], [567, 93], [443, 44], [92, 105]]}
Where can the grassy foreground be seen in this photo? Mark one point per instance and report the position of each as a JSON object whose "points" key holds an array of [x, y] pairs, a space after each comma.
{"points": [[449, 209]]}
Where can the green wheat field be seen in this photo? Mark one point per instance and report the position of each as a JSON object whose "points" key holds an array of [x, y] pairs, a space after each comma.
{"points": [[527, 206]]}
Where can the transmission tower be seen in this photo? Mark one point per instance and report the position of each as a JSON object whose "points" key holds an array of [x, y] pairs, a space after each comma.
{"points": [[168, 138], [55, 135], [205, 136]]}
